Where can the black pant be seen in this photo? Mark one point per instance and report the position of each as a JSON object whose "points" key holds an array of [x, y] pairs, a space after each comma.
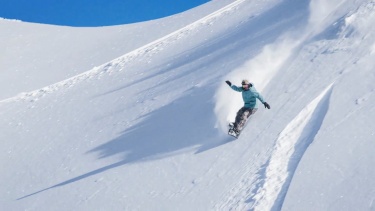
{"points": [[242, 116]]}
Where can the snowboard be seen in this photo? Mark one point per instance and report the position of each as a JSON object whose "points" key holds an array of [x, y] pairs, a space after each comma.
{"points": [[231, 131]]}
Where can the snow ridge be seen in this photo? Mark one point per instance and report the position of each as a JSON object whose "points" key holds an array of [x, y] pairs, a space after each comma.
{"points": [[293, 141], [119, 63]]}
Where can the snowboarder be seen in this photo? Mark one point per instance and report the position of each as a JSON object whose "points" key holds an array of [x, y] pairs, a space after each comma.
{"points": [[249, 96]]}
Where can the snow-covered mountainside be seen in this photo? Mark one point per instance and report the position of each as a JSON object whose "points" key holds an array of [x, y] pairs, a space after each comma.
{"points": [[135, 117], [36, 55]]}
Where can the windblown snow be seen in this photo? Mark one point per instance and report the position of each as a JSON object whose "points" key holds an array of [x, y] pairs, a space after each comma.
{"points": [[134, 117]]}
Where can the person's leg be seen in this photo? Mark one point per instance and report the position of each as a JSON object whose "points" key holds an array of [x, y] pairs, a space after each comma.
{"points": [[238, 117], [242, 117]]}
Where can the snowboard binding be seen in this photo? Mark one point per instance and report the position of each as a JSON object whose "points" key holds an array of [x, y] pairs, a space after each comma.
{"points": [[233, 131]]}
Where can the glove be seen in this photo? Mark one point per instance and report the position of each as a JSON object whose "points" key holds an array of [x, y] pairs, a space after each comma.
{"points": [[266, 105], [229, 83]]}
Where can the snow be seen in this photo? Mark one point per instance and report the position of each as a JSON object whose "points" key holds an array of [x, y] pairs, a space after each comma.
{"points": [[134, 117]]}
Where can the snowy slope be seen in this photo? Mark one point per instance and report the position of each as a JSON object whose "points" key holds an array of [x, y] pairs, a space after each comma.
{"points": [[36, 55], [147, 130]]}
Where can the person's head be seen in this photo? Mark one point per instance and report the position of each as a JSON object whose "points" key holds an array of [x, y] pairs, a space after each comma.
{"points": [[246, 85]]}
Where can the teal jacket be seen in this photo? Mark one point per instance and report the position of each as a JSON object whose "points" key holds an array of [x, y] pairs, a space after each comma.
{"points": [[249, 96]]}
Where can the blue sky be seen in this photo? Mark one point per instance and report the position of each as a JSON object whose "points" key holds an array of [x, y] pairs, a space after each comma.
{"points": [[92, 12]]}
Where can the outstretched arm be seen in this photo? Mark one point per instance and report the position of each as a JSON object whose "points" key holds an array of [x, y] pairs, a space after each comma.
{"points": [[235, 88]]}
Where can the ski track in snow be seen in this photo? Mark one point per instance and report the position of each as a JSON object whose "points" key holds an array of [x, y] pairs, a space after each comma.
{"points": [[119, 63], [276, 174]]}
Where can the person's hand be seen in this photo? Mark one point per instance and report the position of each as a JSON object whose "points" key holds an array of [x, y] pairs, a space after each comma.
{"points": [[266, 105], [229, 83]]}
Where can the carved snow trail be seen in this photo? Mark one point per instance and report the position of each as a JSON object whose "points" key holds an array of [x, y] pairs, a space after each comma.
{"points": [[292, 143]]}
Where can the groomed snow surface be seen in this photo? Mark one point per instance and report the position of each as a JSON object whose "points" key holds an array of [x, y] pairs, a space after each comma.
{"points": [[134, 117]]}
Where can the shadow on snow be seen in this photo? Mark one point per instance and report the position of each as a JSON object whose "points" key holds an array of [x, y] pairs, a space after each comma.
{"points": [[187, 124]]}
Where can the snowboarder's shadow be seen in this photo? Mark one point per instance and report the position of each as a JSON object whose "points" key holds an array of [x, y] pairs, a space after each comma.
{"points": [[187, 123]]}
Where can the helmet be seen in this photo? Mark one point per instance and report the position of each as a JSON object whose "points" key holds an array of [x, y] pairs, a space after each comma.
{"points": [[246, 82]]}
